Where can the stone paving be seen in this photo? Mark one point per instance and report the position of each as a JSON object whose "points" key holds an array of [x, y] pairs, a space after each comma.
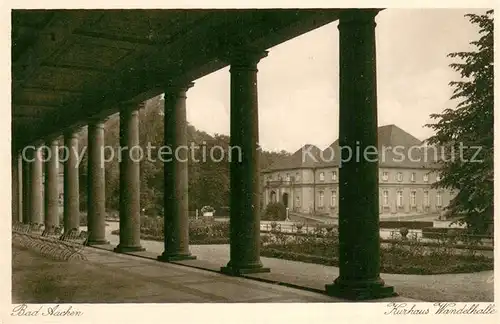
{"points": [[467, 287], [174, 283], [108, 277]]}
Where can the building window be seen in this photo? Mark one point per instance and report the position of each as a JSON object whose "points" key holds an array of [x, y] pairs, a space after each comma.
{"points": [[333, 199], [426, 199], [413, 198], [297, 201], [288, 177], [399, 176], [273, 197], [438, 199], [413, 176], [426, 177], [321, 199], [279, 177], [321, 176], [438, 178], [400, 199], [334, 175], [385, 176], [297, 176], [386, 198]]}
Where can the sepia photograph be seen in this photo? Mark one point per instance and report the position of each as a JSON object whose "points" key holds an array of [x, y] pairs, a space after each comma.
{"points": [[252, 155]]}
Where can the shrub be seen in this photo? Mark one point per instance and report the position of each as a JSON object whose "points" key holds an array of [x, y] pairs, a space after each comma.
{"points": [[440, 232], [207, 209], [201, 231], [275, 211], [404, 232]]}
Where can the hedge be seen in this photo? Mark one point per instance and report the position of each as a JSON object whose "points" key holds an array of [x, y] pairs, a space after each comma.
{"points": [[441, 232], [407, 224], [205, 241]]}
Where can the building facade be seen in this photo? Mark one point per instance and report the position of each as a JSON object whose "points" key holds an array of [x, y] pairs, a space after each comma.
{"points": [[307, 182]]}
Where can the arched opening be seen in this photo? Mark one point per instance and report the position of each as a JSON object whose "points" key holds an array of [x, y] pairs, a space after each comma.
{"points": [[285, 199], [273, 197]]}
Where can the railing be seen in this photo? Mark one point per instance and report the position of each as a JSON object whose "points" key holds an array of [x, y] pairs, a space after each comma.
{"points": [[275, 183], [50, 242]]}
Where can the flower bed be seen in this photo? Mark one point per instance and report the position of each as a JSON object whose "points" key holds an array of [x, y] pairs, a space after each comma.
{"points": [[206, 241], [399, 256], [201, 231], [403, 256]]}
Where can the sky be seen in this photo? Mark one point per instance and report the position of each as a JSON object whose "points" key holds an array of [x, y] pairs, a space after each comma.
{"points": [[298, 81]]}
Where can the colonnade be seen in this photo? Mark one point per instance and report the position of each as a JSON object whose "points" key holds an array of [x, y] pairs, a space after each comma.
{"points": [[358, 186]]}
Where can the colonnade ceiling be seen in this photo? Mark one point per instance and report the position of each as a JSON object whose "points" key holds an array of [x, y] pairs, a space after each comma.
{"points": [[69, 65]]}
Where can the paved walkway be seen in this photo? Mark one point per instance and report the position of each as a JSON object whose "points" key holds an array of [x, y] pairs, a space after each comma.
{"points": [[467, 287], [108, 277]]}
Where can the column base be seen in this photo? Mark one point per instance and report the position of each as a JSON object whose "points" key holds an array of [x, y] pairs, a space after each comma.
{"points": [[238, 271], [97, 242], [126, 249], [175, 257], [360, 290]]}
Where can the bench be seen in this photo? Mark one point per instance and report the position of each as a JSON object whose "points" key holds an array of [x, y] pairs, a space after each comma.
{"points": [[50, 242]]}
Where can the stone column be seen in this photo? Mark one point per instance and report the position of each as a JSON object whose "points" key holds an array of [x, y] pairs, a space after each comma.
{"points": [[20, 181], [26, 158], [359, 255], [15, 189], [51, 185], [96, 219], [71, 182], [36, 201], [244, 167], [176, 221], [130, 221]]}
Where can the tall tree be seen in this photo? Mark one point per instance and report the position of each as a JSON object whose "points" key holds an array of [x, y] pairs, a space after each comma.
{"points": [[470, 125], [208, 178]]}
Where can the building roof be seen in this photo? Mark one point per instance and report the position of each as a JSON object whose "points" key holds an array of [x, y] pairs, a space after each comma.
{"points": [[397, 148], [305, 157]]}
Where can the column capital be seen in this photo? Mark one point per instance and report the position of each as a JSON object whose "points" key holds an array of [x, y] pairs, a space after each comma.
{"points": [[97, 121], [52, 140], [244, 58], [131, 106], [38, 143], [71, 132], [177, 89], [357, 16]]}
